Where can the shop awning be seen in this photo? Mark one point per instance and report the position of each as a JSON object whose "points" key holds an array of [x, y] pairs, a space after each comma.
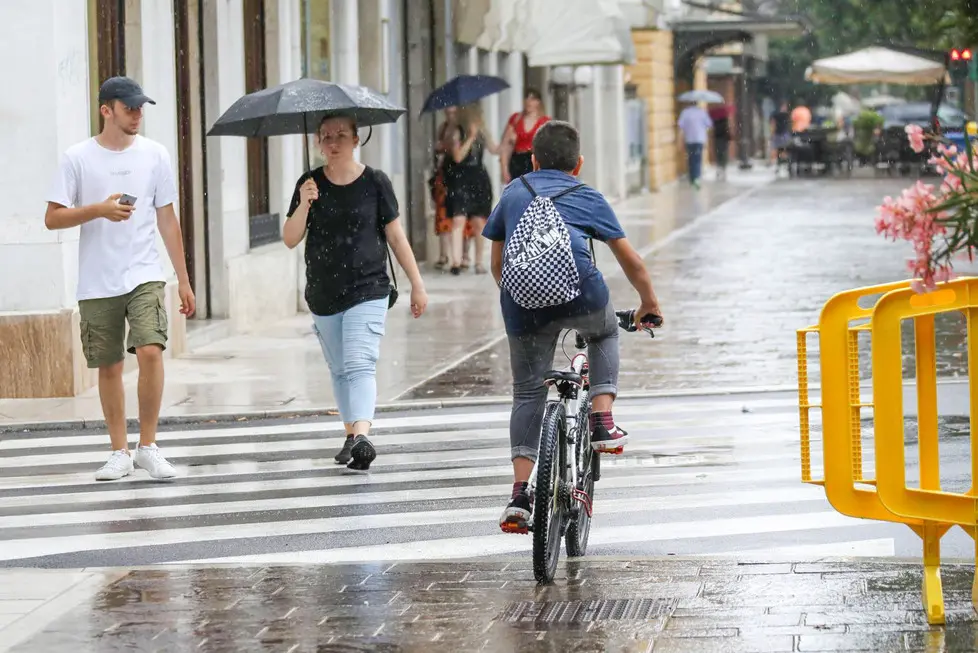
{"points": [[553, 32], [876, 65], [696, 36]]}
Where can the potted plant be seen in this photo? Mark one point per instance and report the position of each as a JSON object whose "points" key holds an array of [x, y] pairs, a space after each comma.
{"points": [[940, 221]]}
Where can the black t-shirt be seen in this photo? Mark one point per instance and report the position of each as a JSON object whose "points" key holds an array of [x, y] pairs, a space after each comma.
{"points": [[782, 122], [346, 247]]}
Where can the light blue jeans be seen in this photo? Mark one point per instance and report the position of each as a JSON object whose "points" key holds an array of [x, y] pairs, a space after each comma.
{"points": [[351, 345]]}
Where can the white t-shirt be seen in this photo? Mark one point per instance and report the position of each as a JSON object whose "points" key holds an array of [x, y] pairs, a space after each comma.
{"points": [[115, 257]]}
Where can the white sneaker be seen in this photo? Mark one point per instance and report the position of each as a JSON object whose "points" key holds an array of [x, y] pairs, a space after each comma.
{"points": [[150, 459], [118, 466]]}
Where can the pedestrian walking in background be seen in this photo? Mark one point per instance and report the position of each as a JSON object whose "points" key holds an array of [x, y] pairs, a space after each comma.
{"points": [[801, 117], [780, 135], [695, 124], [440, 181], [721, 138], [470, 193], [348, 214], [517, 141], [118, 187]]}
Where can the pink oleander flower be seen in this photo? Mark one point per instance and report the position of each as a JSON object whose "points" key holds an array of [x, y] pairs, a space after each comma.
{"points": [[912, 217], [916, 135]]}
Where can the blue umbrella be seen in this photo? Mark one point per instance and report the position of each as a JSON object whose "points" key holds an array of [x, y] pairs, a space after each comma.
{"points": [[462, 90], [710, 97]]}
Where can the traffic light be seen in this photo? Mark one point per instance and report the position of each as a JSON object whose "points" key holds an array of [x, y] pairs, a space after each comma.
{"points": [[962, 54]]}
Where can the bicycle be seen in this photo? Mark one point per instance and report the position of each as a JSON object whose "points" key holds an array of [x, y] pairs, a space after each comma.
{"points": [[567, 466]]}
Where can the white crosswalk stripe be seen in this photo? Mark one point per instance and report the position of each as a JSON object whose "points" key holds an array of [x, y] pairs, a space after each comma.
{"points": [[699, 477]]}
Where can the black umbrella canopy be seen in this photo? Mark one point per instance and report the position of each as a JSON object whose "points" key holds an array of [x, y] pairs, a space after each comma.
{"points": [[298, 107]]}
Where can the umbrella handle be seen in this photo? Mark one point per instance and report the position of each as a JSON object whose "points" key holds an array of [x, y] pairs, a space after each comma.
{"points": [[370, 133]]}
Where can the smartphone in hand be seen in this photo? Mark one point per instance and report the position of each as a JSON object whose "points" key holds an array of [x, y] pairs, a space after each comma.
{"points": [[128, 200]]}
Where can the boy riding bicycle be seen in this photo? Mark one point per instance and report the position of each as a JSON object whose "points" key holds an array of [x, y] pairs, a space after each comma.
{"points": [[540, 258]]}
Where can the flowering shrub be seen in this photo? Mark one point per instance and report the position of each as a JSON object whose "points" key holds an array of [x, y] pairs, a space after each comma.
{"points": [[941, 222]]}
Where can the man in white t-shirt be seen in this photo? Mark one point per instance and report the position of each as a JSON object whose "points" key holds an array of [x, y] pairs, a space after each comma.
{"points": [[119, 188]]}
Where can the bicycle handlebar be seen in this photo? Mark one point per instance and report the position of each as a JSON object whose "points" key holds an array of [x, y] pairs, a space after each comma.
{"points": [[626, 320]]}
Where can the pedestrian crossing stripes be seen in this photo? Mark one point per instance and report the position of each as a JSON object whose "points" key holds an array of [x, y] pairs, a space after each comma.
{"points": [[701, 476]]}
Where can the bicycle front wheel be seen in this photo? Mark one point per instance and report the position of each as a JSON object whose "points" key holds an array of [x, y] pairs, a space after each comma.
{"points": [[548, 504]]}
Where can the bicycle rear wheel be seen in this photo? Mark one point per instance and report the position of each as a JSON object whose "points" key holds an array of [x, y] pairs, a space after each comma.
{"points": [[548, 502], [586, 459]]}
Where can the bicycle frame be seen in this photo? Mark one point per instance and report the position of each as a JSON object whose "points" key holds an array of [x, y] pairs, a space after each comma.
{"points": [[571, 396]]}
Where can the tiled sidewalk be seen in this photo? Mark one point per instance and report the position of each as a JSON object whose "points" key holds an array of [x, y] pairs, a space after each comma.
{"points": [[659, 605]]}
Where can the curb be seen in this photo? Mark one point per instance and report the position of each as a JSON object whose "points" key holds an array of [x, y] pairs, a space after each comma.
{"points": [[408, 407]]}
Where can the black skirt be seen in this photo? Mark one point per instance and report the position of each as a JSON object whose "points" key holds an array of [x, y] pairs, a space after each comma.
{"points": [[469, 192], [520, 163]]}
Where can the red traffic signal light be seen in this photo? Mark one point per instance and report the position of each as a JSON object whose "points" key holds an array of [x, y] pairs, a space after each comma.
{"points": [[961, 55]]}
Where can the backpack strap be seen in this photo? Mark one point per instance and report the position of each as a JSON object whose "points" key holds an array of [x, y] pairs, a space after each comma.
{"points": [[568, 190], [528, 186]]}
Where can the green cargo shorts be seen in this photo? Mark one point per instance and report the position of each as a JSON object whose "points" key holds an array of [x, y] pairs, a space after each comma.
{"points": [[103, 324]]}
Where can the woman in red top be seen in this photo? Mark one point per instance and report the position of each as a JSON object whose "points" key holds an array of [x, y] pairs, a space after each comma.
{"points": [[518, 137]]}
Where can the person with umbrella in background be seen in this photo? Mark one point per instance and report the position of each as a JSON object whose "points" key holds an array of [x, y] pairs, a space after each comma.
{"points": [[695, 124], [470, 189], [517, 153], [348, 214], [469, 197]]}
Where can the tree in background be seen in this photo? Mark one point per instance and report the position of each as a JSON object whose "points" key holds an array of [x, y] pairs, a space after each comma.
{"points": [[841, 26]]}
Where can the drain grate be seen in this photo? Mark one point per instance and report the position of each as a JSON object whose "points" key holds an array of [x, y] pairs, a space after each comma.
{"points": [[580, 612]]}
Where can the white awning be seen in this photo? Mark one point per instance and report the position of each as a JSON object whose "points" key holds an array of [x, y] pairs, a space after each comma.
{"points": [[552, 32], [576, 33], [876, 65]]}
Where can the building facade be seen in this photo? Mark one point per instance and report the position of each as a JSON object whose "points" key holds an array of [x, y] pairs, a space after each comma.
{"points": [[195, 58]]}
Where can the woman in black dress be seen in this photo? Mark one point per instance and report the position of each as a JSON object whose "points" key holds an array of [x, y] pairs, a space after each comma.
{"points": [[470, 190]]}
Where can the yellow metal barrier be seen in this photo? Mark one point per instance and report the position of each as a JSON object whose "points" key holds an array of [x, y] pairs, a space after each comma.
{"points": [[929, 511]]}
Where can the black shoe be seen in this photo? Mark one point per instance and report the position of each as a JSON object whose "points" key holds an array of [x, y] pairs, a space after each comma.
{"points": [[456, 271], [605, 441], [516, 516], [345, 454], [363, 453]]}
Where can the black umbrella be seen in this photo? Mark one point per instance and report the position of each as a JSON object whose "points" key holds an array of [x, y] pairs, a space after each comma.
{"points": [[463, 89], [298, 107]]}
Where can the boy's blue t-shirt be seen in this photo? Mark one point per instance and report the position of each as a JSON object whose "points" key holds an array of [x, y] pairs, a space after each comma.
{"points": [[586, 213]]}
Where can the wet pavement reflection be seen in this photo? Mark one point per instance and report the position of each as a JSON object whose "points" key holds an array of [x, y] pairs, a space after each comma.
{"points": [[736, 286], [595, 605]]}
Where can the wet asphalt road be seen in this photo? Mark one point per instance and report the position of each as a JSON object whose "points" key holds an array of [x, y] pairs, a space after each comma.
{"points": [[736, 285]]}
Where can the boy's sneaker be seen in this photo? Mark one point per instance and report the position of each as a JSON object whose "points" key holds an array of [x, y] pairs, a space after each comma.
{"points": [[118, 466], [346, 453], [150, 459], [362, 453], [516, 516], [604, 440]]}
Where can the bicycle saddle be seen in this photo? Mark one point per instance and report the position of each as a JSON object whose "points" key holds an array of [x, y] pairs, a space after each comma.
{"points": [[557, 376]]}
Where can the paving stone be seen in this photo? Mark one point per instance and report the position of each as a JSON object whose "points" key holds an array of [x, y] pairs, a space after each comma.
{"points": [[610, 608]]}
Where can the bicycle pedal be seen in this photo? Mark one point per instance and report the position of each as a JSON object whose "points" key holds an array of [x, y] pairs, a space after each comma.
{"points": [[614, 452], [514, 527]]}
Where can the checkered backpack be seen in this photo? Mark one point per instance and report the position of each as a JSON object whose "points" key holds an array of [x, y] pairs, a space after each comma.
{"points": [[538, 265]]}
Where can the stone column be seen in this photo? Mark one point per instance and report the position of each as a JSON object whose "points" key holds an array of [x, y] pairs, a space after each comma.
{"points": [[39, 341]]}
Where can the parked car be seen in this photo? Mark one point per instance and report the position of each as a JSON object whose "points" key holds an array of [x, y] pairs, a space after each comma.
{"points": [[893, 149]]}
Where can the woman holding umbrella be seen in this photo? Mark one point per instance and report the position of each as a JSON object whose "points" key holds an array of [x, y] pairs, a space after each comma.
{"points": [[470, 190], [347, 213], [518, 137]]}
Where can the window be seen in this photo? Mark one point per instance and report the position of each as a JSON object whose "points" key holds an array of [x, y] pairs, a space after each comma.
{"points": [[255, 80], [315, 28]]}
